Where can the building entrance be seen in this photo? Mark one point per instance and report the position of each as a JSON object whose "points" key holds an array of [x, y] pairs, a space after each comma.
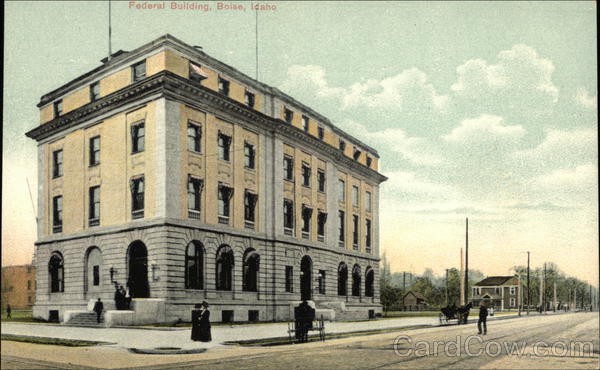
{"points": [[306, 278], [138, 270]]}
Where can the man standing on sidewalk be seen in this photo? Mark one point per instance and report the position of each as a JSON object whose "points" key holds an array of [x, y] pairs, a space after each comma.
{"points": [[483, 312], [98, 308]]}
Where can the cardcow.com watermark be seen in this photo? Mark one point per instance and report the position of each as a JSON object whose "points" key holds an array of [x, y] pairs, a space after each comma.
{"points": [[474, 345]]}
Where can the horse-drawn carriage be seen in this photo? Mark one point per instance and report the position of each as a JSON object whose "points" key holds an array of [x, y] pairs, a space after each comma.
{"points": [[460, 314]]}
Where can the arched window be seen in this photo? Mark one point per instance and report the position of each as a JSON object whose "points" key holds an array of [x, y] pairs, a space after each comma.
{"points": [[93, 269], [369, 280], [342, 279], [224, 268], [194, 266], [56, 269], [356, 281], [250, 271]]}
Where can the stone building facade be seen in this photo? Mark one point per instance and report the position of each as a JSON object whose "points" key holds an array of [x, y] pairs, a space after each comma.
{"points": [[18, 287], [169, 171]]}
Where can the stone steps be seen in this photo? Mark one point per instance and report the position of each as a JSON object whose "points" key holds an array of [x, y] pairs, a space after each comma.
{"points": [[87, 319]]}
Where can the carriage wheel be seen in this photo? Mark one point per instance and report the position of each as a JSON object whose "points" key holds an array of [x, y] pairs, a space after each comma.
{"points": [[443, 319]]}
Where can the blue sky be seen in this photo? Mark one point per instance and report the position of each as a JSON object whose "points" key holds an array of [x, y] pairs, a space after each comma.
{"points": [[486, 110]]}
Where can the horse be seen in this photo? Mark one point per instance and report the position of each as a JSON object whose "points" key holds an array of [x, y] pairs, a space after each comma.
{"points": [[463, 313]]}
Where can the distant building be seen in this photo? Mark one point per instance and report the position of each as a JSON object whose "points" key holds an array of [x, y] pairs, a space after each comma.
{"points": [[18, 287], [502, 292], [414, 301]]}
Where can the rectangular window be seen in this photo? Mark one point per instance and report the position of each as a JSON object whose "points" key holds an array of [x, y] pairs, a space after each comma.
{"points": [[355, 232], [288, 168], [512, 290], [342, 228], [512, 302], [57, 163], [288, 217], [320, 132], [96, 276], [321, 221], [355, 195], [95, 91], [356, 154], [197, 74], [321, 281], [305, 123], [95, 151], [58, 108], [306, 219], [224, 143], [28, 284], [369, 161], [305, 174], [342, 190], [194, 134], [321, 180], [342, 145], [288, 115], [195, 186], [223, 86], [94, 208], [249, 155], [57, 208], [368, 201], [249, 99], [368, 236], [137, 197], [137, 137], [289, 279], [225, 194], [250, 209], [139, 70]]}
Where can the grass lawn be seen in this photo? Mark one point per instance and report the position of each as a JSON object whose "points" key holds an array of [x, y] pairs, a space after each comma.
{"points": [[53, 341], [411, 314], [20, 316]]}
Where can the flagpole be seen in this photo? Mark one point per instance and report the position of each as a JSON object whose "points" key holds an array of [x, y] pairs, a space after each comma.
{"points": [[109, 30]]}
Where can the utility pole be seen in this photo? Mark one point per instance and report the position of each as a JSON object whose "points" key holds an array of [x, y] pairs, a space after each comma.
{"points": [[554, 299], [467, 261], [403, 282], [528, 291], [544, 290], [447, 288]]}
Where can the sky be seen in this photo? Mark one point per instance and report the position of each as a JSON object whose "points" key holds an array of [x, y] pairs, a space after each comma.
{"points": [[485, 110]]}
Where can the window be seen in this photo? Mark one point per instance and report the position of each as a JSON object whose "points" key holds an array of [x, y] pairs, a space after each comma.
{"points": [[321, 281], [225, 194], [197, 74], [194, 134], [58, 108], [288, 168], [139, 70], [95, 91], [497, 290], [137, 197], [249, 155], [224, 268], [223, 86], [289, 279], [320, 132], [57, 208], [368, 236], [342, 145], [56, 270], [355, 232], [306, 218], [513, 290], [250, 271], [194, 266], [94, 208], [288, 115], [28, 284], [342, 279], [368, 201], [288, 216], [224, 143], [341, 190], [95, 151], [195, 186], [321, 221], [342, 228], [96, 275], [355, 195], [249, 99], [137, 137], [356, 154], [321, 180], [250, 209], [57, 163], [305, 123], [356, 281], [369, 161], [512, 302], [369, 282], [305, 174]]}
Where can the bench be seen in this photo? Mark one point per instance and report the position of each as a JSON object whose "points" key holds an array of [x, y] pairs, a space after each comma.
{"points": [[317, 325]]}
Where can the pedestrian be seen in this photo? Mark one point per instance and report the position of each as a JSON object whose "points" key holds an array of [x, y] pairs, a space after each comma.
{"points": [[98, 308], [204, 323], [127, 297], [196, 322], [304, 320], [119, 298], [8, 312], [483, 312]]}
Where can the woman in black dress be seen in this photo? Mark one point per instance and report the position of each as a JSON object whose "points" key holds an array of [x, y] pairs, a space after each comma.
{"points": [[201, 323]]}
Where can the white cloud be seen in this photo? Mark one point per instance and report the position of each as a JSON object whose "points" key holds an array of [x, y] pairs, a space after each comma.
{"points": [[583, 176], [310, 77], [586, 100], [562, 144], [402, 182], [482, 128]]}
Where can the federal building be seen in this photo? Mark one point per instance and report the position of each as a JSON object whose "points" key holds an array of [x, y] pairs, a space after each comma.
{"points": [[177, 175]]}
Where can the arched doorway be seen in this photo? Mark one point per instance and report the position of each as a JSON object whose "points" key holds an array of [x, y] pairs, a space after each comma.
{"points": [[138, 270], [306, 278], [224, 268], [93, 270]]}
